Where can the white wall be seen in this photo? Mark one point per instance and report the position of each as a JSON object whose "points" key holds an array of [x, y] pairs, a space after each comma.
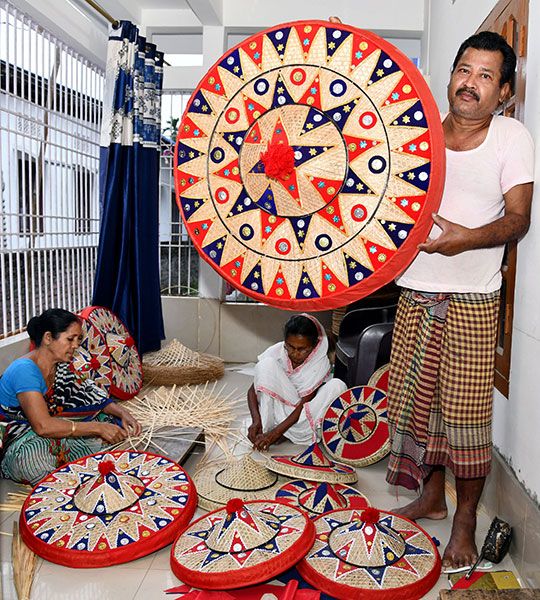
{"points": [[11, 348], [516, 419], [367, 14], [449, 25], [387, 17]]}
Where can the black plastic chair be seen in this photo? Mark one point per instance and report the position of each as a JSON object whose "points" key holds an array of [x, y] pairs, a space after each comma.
{"points": [[364, 341]]}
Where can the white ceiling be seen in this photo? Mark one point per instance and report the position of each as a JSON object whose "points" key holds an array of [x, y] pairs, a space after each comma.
{"points": [[217, 22], [159, 4], [205, 12], [383, 15]]}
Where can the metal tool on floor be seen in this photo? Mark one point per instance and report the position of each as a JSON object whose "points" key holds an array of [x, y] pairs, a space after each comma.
{"points": [[495, 545]]}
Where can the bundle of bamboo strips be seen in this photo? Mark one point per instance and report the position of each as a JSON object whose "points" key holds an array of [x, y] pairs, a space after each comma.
{"points": [[15, 500], [24, 565], [165, 412]]}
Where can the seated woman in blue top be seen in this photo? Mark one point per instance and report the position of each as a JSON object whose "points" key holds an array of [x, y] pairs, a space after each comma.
{"points": [[37, 389]]}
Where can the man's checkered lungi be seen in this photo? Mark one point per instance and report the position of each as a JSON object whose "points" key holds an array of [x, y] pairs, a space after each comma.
{"points": [[440, 392]]}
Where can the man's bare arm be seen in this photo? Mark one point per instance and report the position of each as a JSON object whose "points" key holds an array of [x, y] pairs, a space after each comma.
{"points": [[455, 238]]}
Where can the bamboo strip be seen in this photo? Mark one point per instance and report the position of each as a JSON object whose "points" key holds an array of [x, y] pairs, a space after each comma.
{"points": [[24, 565], [15, 501], [164, 412]]}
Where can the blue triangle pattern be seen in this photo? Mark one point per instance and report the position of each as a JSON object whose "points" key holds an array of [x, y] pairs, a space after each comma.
{"points": [[45, 535], [82, 544], [315, 118], [352, 184], [190, 206], [377, 574], [334, 39], [123, 539], [328, 506], [306, 289], [334, 444], [328, 424], [419, 177], [279, 39], [232, 63], [202, 534], [340, 114], [200, 105], [243, 204], [258, 167], [185, 153], [410, 549], [281, 94], [266, 202], [300, 227], [215, 249], [413, 117], [254, 280], [321, 492], [378, 396], [385, 66], [235, 138], [161, 521], [306, 458], [303, 154], [355, 271], [210, 558]]}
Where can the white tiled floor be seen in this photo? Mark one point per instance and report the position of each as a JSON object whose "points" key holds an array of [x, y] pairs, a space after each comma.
{"points": [[147, 578]]}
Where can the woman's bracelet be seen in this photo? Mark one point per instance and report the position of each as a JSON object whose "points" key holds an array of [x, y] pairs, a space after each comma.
{"points": [[73, 425]]}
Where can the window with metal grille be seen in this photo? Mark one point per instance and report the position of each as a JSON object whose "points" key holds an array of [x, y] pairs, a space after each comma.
{"points": [[30, 188], [84, 184], [50, 116], [179, 258]]}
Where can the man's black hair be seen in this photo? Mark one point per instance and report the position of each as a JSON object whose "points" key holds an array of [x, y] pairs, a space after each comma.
{"points": [[493, 42], [300, 325]]}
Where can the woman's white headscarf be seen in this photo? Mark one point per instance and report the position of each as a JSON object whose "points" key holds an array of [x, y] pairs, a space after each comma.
{"points": [[305, 378]]}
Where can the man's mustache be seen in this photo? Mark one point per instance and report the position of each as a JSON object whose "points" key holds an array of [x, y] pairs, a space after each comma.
{"points": [[469, 91]]}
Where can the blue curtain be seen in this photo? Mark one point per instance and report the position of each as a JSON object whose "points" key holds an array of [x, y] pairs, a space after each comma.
{"points": [[127, 270]]}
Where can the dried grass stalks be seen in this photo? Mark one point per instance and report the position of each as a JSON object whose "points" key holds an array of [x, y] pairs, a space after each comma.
{"points": [[164, 412], [24, 565]]}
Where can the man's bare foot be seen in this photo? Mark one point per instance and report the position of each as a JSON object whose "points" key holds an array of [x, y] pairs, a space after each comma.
{"points": [[423, 508], [461, 550]]}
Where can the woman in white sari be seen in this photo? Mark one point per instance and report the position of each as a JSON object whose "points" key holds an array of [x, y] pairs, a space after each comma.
{"points": [[293, 386]]}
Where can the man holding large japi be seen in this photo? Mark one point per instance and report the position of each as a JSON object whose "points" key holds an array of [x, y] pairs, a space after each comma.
{"points": [[443, 351]]}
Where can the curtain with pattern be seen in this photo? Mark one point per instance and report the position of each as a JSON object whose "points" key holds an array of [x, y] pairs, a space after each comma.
{"points": [[127, 271]]}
